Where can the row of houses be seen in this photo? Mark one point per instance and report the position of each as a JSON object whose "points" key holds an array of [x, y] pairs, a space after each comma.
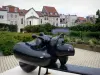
{"points": [[21, 17]]}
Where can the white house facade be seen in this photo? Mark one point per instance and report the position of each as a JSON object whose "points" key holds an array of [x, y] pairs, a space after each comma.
{"points": [[21, 17], [31, 17], [3, 16]]}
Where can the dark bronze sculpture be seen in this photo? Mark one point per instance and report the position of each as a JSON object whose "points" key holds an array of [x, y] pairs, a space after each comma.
{"points": [[44, 51]]}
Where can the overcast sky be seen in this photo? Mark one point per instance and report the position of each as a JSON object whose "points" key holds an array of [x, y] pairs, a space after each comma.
{"points": [[78, 7]]}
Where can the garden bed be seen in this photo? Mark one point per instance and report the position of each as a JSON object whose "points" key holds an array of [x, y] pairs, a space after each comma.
{"points": [[88, 47]]}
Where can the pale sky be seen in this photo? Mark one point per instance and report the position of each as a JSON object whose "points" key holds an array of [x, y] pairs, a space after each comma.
{"points": [[78, 7]]}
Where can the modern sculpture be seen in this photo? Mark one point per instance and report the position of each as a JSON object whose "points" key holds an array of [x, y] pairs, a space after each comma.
{"points": [[44, 51]]}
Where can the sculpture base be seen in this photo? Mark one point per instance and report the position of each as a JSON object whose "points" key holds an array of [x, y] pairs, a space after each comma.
{"points": [[19, 71], [75, 69]]}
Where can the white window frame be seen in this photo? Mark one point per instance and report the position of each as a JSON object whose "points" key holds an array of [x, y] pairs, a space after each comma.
{"points": [[16, 10]]}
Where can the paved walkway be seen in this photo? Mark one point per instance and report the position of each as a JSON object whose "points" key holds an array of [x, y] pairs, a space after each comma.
{"points": [[81, 58]]}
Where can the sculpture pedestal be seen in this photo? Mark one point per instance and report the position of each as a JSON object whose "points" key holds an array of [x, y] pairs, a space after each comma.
{"points": [[18, 71]]}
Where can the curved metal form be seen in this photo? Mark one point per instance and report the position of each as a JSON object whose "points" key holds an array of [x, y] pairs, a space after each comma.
{"points": [[30, 56], [44, 51]]}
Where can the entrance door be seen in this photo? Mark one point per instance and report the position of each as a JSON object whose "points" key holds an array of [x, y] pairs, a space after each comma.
{"points": [[30, 22]]}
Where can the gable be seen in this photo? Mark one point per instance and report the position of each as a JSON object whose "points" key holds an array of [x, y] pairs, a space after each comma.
{"points": [[31, 12], [50, 11]]}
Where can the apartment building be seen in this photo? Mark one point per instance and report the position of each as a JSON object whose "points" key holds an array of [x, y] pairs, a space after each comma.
{"points": [[71, 20]]}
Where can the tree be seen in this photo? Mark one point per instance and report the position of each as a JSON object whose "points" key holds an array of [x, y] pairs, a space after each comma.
{"points": [[98, 19]]}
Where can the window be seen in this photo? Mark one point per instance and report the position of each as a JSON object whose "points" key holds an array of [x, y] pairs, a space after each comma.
{"points": [[41, 21], [55, 13], [56, 24], [44, 13], [30, 23], [7, 8], [27, 22], [22, 21], [15, 22], [57, 19], [11, 22], [50, 13], [15, 9], [11, 15], [1, 17], [45, 18], [15, 16]]}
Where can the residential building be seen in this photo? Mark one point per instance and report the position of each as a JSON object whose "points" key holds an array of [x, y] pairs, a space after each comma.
{"points": [[15, 16], [91, 19], [63, 21], [3, 16], [80, 20], [70, 20], [47, 15], [31, 17], [51, 15]]}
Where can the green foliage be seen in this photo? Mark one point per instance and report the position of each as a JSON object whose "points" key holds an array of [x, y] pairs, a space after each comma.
{"points": [[39, 28], [98, 19], [86, 27], [6, 27], [78, 41], [8, 40], [85, 34]]}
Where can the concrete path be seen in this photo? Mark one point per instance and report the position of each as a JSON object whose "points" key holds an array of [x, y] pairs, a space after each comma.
{"points": [[81, 58]]}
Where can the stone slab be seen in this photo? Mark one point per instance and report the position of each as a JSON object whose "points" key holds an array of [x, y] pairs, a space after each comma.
{"points": [[18, 71]]}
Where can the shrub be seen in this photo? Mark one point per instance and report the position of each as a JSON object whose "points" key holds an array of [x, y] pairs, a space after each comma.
{"points": [[67, 39], [92, 34], [85, 27], [78, 41], [85, 34], [39, 28], [7, 27], [8, 40]]}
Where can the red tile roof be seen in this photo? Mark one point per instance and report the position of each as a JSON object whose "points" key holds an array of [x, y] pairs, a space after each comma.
{"points": [[51, 11], [81, 18], [22, 12], [11, 8], [1, 9], [39, 13]]}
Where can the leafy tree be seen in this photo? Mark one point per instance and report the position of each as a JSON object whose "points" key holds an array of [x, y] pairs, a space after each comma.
{"points": [[98, 19]]}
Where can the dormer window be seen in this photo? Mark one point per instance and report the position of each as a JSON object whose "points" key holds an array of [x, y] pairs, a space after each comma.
{"points": [[7, 8], [44, 13], [55, 13], [51, 13], [15, 9]]}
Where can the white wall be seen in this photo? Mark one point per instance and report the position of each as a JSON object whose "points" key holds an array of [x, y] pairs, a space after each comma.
{"points": [[20, 25], [33, 21], [41, 18], [31, 12], [71, 20], [13, 18], [4, 14], [54, 21]]}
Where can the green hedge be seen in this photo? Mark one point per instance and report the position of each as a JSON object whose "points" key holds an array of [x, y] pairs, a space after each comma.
{"points": [[6, 27], [9, 39], [86, 27], [39, 28], [85, 34]]}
